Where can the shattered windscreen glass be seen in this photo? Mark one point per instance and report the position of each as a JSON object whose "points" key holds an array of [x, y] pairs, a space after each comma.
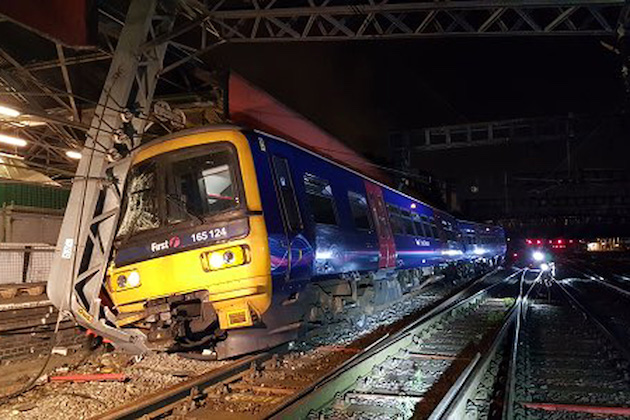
{"points": [[141, 212]]}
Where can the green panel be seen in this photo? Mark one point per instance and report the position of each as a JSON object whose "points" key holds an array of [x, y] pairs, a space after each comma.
{"points": [[33, 195]]}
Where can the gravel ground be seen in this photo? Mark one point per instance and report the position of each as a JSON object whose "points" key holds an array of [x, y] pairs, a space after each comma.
{"points": [[58, 400]]}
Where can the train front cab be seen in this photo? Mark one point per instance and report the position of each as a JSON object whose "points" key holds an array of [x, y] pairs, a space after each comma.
{"points": [[192, 250]]}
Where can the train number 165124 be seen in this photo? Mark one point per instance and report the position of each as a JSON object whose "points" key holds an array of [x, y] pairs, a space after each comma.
{"points": [[204, 235]]}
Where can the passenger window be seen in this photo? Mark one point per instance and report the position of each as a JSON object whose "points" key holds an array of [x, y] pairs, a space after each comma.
{"points": [[360, 213], [407, 222], [320, 199], [434, 229], [427, 227], [287, 194], [418, 223]]}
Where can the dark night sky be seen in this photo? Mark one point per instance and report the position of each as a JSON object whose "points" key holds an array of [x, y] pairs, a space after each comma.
{"points": [[360, 90]]}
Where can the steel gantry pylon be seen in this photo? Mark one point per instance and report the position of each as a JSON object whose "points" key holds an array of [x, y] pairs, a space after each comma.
{"points": [[325, 20], [87, 233]]}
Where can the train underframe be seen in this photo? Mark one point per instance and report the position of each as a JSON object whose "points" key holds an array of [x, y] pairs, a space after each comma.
{"points": [[188, 322]]}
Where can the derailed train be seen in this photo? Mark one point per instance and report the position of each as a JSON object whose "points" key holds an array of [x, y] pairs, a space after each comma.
{"points": [[237, 240]]}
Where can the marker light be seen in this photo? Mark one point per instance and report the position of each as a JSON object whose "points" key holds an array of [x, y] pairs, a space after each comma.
{"points": [[13, 141], [323, 255], [72, 154], [9, 112], [452, 252], [413, 205], [544, 267], [538, 256]]}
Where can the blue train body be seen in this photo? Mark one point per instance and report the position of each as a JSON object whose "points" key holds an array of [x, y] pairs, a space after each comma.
{"points": [[319, 250], [350, 235]]}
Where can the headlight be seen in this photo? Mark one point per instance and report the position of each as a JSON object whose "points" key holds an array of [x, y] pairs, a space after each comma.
{"points": [[128, 280], [133, 280], [225, 258], [538, 256]]}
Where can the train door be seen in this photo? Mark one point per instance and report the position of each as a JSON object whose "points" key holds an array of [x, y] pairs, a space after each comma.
{"points": [[295, 246], [441, 232], [387, 247]]}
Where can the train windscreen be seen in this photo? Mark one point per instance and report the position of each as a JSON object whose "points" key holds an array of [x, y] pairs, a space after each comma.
{"points": [[188, 184]]}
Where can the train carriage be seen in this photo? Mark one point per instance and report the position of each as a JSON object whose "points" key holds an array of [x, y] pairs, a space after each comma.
{"points": [[238, 240]]}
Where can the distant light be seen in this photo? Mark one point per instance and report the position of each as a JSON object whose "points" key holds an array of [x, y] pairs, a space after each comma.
{"points": [[9, 112], [538, 241], [529, 241], [13, 141], [413, 205], [72, 154], [559, 241], [538, 256], [515, 255], [544, 267]]}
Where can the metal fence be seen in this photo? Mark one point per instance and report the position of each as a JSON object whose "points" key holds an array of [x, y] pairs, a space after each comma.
{"points": [[25, 263]]}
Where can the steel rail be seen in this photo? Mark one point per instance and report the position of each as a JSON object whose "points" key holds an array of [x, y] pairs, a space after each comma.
{"points": [[157, 402], [508, 411], [511, 377], [321, 392], [624, 350], [593, 275], [454, 404]]}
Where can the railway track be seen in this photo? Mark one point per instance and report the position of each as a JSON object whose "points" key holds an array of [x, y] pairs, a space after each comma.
{"points": [[565, 360], [413, 372], [254, 384], [26, 328]]}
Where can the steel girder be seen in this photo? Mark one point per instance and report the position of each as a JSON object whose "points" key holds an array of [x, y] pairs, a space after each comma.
{"points": [[484, 134], [87, 233], [310, 20]]}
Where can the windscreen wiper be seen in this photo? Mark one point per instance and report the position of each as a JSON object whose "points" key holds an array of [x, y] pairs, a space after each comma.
{"points": [[182, 205]]}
